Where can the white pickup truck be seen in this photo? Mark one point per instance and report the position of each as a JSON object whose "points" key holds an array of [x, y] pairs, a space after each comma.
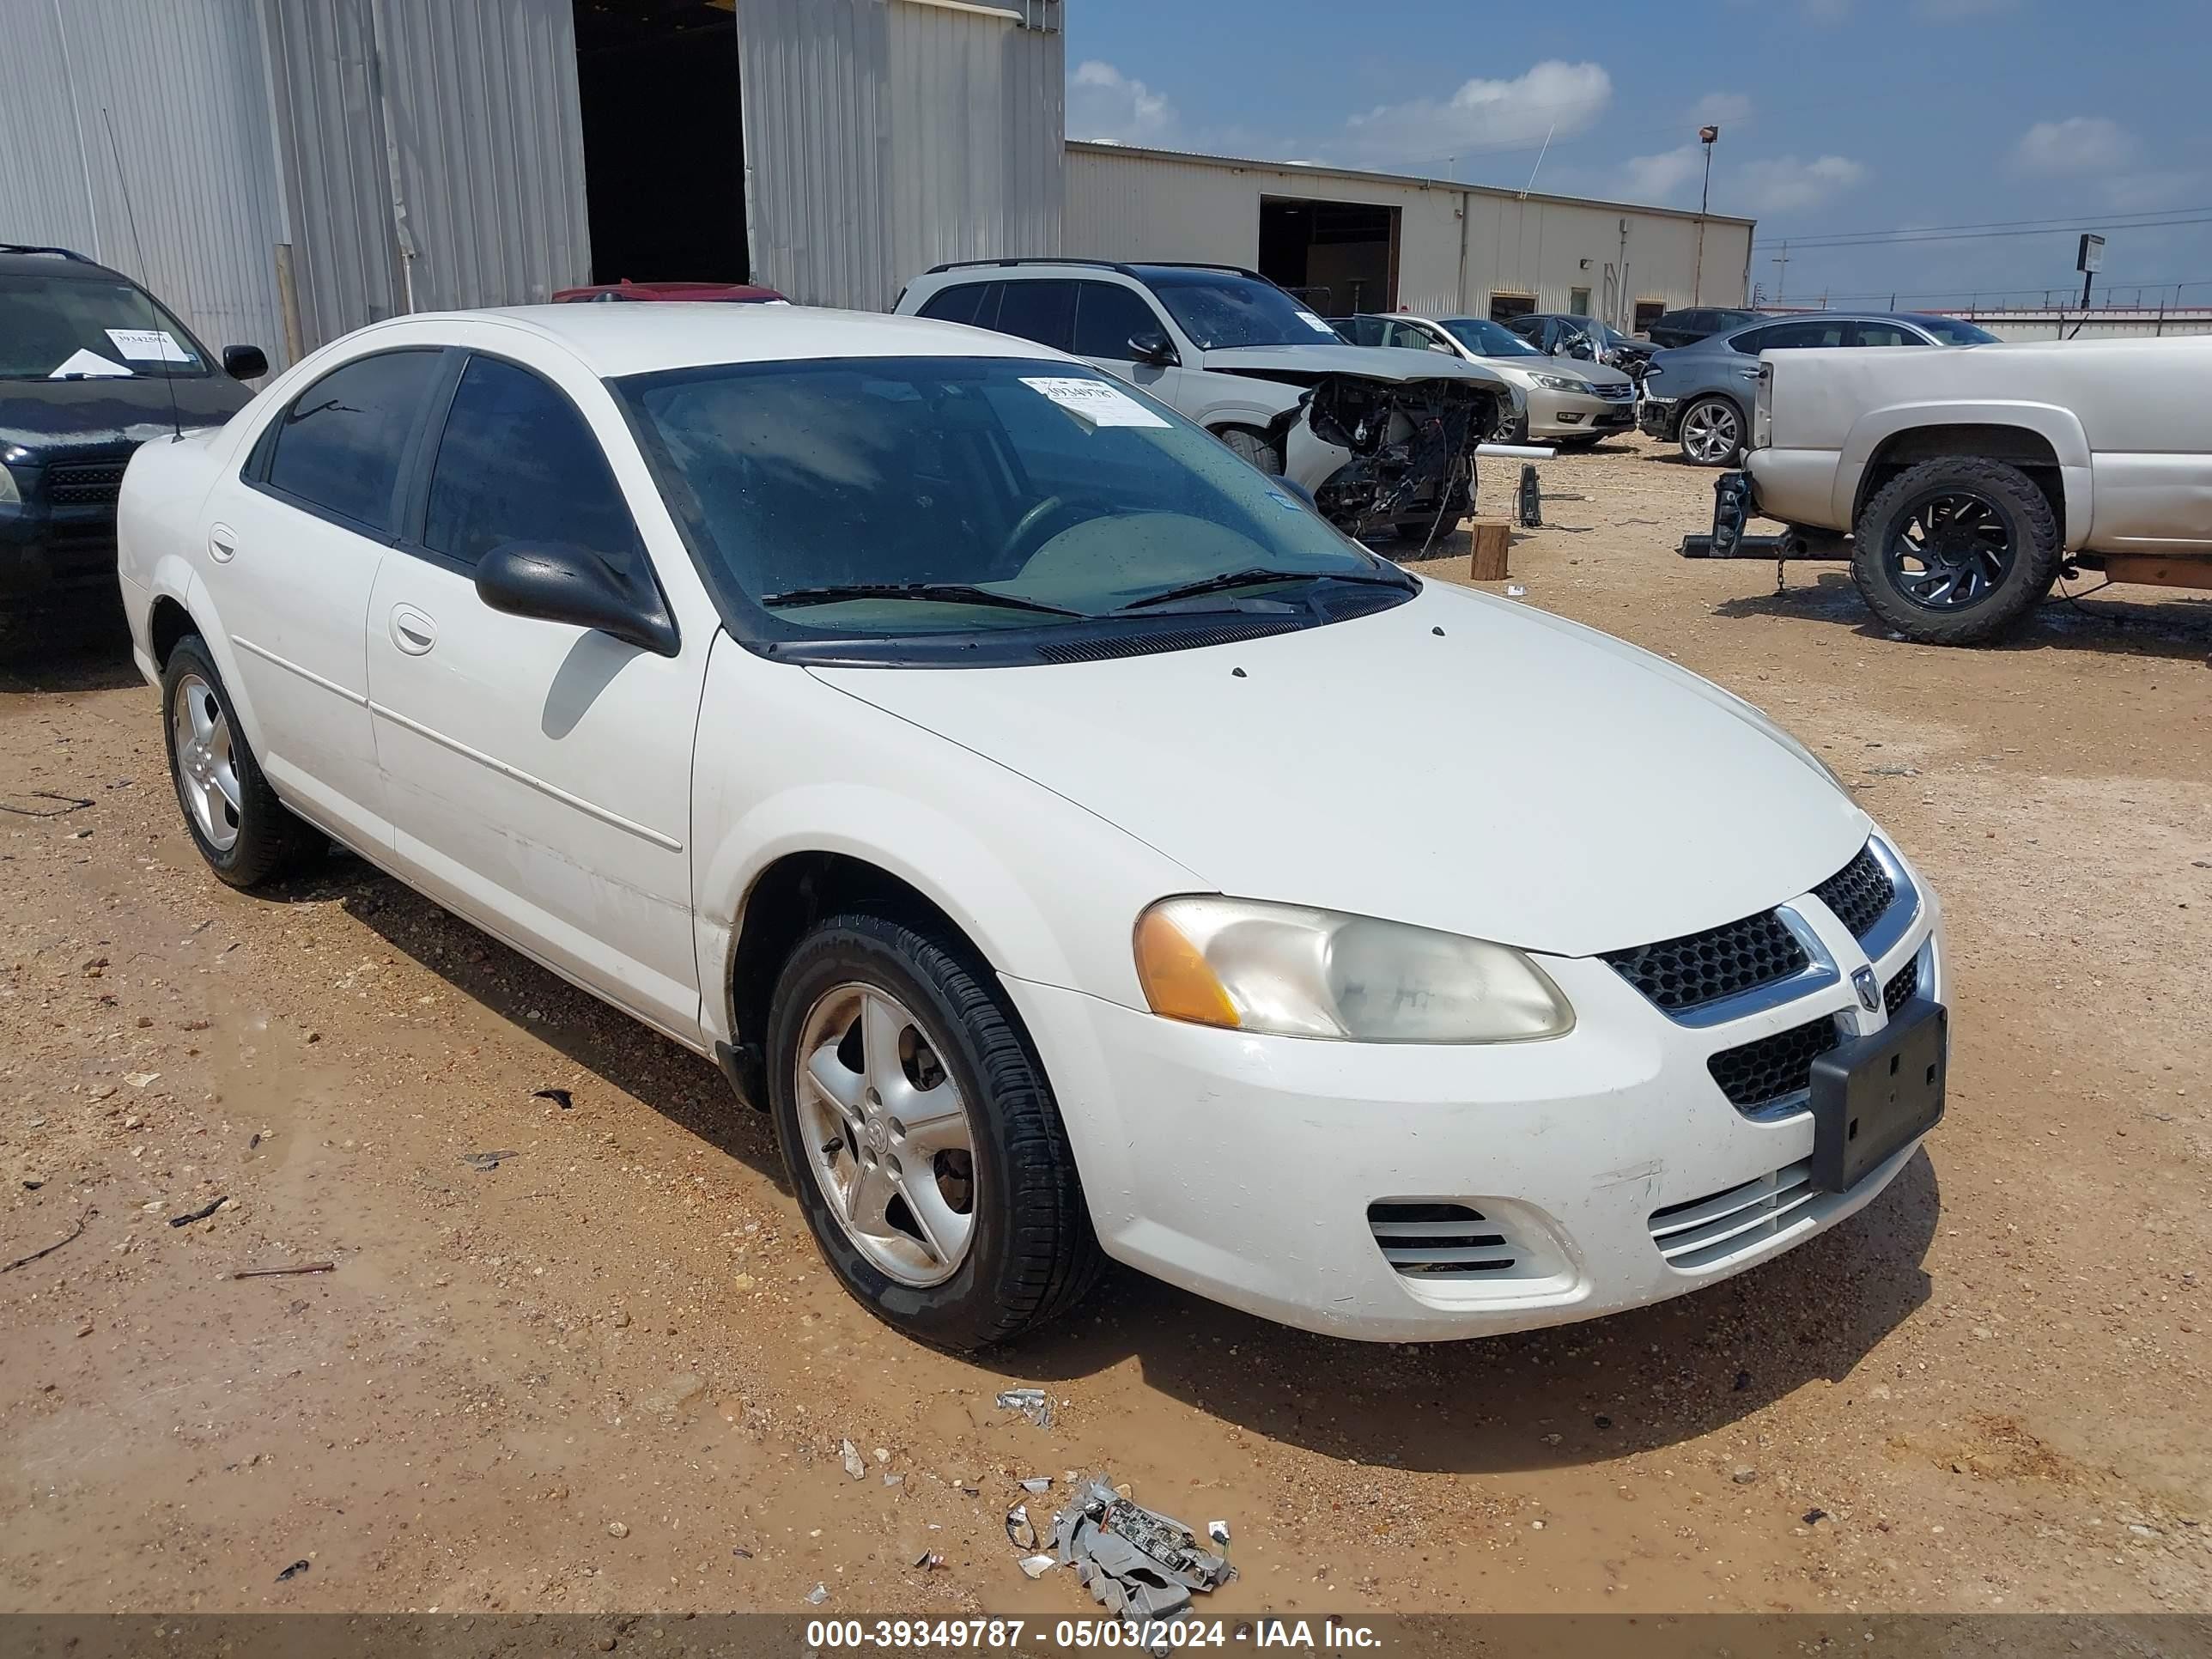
{"points": [[1967, 480]]}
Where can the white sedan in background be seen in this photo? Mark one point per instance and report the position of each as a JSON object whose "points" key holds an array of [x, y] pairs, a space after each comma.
{"points": [[1081, 849]]}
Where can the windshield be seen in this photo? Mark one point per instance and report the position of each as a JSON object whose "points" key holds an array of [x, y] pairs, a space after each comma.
{"points": [[1487, 339], [962, 495], [62, 328], [1220, 309], [1949, 331]]}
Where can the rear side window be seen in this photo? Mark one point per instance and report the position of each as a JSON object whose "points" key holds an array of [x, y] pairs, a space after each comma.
{"points": [[1044, 311], [961, 303], [517, 462], [1790, 336], [339, 447], [1106, 316]]}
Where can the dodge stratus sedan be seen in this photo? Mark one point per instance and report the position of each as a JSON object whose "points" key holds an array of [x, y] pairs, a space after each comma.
{"points": [[1081, 849]]}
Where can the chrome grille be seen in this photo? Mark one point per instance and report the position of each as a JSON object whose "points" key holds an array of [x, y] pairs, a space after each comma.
{"points": [[1678, 974], [1706, 1231], [1859, 892], [1619, 394], [1904, 985]]}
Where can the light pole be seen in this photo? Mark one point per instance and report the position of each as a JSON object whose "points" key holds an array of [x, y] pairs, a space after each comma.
{"points": [[1707, 136]]}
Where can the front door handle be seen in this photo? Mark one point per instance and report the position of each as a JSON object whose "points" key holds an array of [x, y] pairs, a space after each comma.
{"points": [[412, 630], [223, 543]]}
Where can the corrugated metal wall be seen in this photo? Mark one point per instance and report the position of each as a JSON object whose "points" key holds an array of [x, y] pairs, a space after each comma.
{"points": [[433, 154], [882, 136], [1127, 204], [182, 82]]}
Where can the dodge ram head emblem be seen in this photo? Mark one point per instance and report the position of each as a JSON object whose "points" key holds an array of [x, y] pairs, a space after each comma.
{"points": [[1862, 983]]}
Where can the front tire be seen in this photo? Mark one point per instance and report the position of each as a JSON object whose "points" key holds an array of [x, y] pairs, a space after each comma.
{"points": [[233, 816], [921, 1136], [1956, 551], [1254, 447], [1712, 433]]}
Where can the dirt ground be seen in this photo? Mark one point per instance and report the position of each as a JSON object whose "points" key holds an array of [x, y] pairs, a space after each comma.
{"points": [[609, 1374]]}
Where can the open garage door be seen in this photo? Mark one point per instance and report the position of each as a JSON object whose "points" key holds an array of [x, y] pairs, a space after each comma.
{"points": [[1339, 257]]}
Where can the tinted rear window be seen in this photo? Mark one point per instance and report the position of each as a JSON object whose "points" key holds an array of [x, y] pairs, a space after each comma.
{"points": [[340, 444]]}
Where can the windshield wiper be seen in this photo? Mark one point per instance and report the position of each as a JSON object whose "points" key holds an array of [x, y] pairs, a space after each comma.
{"points": [[950, 592], [1251, 578]]}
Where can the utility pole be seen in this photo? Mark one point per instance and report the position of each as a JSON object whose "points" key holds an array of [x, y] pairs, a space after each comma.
{"points": [[1781, 263], [1707, 136]]}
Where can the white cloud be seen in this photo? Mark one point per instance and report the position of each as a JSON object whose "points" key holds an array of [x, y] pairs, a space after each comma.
{"points": [[1722, 107], [1563, 98], [1662, 181], [1102, 103], [1784, 182], [2079, 145]]}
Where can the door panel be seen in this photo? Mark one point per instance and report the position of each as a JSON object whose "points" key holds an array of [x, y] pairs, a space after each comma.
{"points": [[537, 775], [294, 545]]}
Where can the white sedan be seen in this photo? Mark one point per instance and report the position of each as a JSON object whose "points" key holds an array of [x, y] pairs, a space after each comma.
{"points": [[1081, 850]]}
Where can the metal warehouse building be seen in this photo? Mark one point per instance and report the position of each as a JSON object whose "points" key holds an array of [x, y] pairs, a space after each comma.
{"points": [[1369, 241], [292, 169]]}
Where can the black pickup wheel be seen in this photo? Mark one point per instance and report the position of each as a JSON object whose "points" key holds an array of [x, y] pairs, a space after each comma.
{"points": [[1956, 551]]}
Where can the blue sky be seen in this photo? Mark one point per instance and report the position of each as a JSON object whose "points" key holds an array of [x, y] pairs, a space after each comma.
{"points": [[1836, 116]]}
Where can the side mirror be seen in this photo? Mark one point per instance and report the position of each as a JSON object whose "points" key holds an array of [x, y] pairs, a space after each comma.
{"points": [[245, 362], [1149, 346], [556, 582]]}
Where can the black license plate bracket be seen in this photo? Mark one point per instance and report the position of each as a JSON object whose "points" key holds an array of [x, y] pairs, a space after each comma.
{"points": [[1874, 1094]]}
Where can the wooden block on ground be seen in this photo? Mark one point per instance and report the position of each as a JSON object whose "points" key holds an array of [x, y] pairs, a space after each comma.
{"points": [[1489, 538]]}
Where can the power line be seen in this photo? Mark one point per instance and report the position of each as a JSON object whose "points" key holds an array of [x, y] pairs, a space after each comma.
{"points": [[1937, 234], [2092, 216]]}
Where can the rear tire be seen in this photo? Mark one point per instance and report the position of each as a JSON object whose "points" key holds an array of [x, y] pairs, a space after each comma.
{"points": [[243, 831], [1957, 552], [1254, 447], [1026, 1253], [1712, 433]]}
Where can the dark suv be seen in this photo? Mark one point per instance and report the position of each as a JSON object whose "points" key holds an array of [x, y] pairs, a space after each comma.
{"points": [[91, 366], [1694, 323]]}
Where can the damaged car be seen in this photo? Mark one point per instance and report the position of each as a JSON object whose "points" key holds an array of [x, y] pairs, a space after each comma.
{"points": [[1384, 444]]}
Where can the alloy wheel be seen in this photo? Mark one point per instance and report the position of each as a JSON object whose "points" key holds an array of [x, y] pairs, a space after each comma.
{"points": [[1950, 549], [207, 767], [1710, 433], [886, 1133]]}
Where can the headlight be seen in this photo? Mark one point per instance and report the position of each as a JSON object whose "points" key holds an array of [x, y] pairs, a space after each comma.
{"points": [[1287, 970], [8, 494], [1561, 382]]}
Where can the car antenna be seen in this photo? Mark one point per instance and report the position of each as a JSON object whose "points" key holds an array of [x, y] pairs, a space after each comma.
{"points": [[138, 253]]}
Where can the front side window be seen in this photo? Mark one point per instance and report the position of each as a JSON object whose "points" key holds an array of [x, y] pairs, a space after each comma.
{"points": [[517, 462], [1106, 317], [339, 447], [896, 497], [1949, 330], [1218, 310], [1790, 336], [62, 328]]}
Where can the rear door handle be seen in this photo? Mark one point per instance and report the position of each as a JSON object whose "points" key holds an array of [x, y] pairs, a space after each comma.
{"points": [[223, 543], [412, 630]]}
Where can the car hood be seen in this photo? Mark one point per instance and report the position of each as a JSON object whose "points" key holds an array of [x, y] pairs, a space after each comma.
{"points": [[1523, 367], [1457, 762], [1392, 363], [49, 417]]}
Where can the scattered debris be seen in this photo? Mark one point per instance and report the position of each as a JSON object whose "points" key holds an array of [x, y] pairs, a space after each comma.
{"points": [[1037, 1566], [1032, 1403], [26, 1261], [294, 1571], [1742, 1381], [1138, 1564], [1021, 1531], [617, 1529], [1893, 771], [1814, 1516], [1219, 1532], [140, 1079], [817, 1595], [929, 1560], [560, 1097], [894, 1480], [741, 1552], [487, 1160], [850, 1457], [1515, 591], [201, 1214], [1744, 1474], [253, 1140], [1039, 1483], [1603, 1421], [31, 1183], [279, 1272], [69, 803]]}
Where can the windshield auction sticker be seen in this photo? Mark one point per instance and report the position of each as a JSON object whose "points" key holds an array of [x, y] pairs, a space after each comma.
{"points": [[1095, 400], [149, 345]]}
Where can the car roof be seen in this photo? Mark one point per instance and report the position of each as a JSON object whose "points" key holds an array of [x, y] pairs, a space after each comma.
{"points": [[1918, 318], [613, 341], [54, 262]]}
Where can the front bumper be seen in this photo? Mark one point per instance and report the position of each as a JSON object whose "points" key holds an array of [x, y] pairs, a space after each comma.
{"points": [[55, 549], [1577, 414], [1657, 416], [1242, 1168]]}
